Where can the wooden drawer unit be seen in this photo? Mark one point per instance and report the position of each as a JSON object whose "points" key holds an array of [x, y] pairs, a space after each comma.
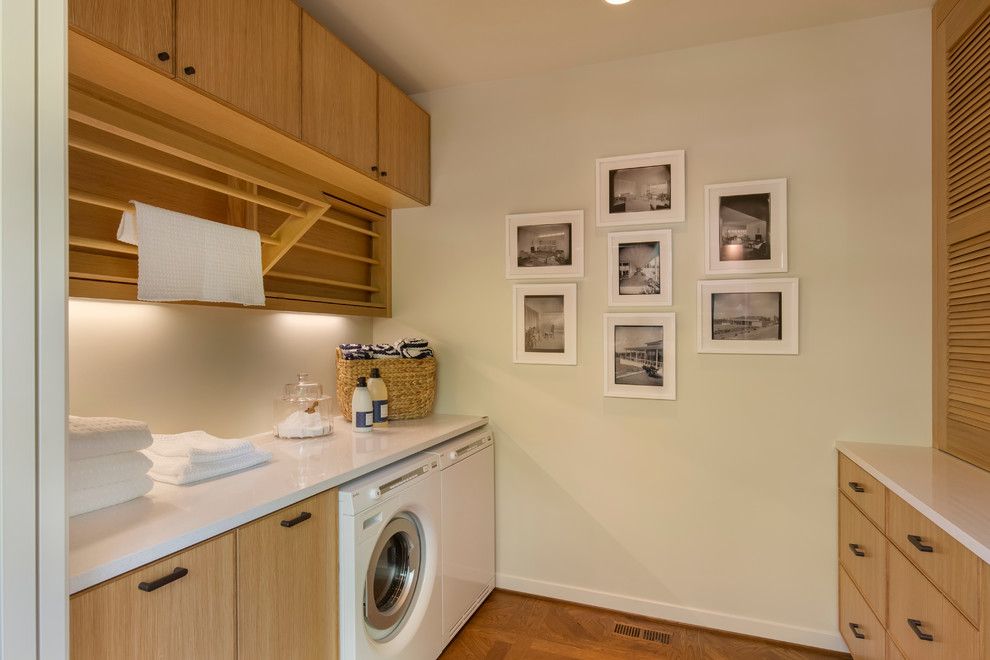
{"points": [[921, 620], [863, 633], [863, 553], [177, 608], [863, 490], [954, 569], [893, 653]]}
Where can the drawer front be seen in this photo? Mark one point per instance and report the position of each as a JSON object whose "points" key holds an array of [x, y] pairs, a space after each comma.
{"points": [[860, 629], [893, 653], [863, 490], [191, 616], [914, 600], [863, 553], [954, 569]]}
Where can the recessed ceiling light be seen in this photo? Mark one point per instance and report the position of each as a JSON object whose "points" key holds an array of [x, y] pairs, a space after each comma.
{"points": [[616, 2]]}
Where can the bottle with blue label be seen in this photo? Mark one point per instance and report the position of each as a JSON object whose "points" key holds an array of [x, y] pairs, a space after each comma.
{"points": [[362, 411], [379, 398]]}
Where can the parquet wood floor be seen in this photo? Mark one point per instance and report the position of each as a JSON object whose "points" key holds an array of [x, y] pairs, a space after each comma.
{"points": [[512, 626]]}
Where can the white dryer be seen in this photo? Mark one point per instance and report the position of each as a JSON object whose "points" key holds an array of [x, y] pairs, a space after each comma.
{"points": [[389, 563]]}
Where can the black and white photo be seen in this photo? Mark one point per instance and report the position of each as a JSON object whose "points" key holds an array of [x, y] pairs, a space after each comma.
{"points": [[544, 323], [640, 355], [748, 316], [544, 245], [746, 227], [641, 189], [640, 268]]}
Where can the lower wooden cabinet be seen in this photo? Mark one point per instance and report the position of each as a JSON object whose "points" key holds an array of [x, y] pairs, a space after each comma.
{"points": [[180, 607], [860, 629]]}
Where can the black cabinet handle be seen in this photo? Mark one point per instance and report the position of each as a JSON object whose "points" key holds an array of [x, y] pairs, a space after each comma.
{"points": [[163, 56], [856, 487], [922, 635], [855, 628], [179, 572], [374, 168], [302, 517], [384, 173], [916, 542], [855, 550], [189, 70]]}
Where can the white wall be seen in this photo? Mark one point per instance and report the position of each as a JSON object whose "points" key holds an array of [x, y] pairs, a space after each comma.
{"points": [[718, 508], [183, 367]]}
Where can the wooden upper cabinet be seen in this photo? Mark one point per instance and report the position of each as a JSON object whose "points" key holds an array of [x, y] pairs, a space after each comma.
{"points": [[142, 29], [961, 236], [244, 52], [403, 142], [339, 99]]}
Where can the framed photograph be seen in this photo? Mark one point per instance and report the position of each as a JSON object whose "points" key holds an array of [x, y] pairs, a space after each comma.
{"points": [[544, 324], [748, 316], [639, 268], [746, 227], [544, 245], [645, 189], [641, 356]]}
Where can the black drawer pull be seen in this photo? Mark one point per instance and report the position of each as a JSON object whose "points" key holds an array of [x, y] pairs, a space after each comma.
{"points": [[302, 517], [855, 628], [374, 168], [856, 487], [916, 542], [855, 550], [189, 70], [384, 173], [922, 635], [163, 56], [179, 572]]}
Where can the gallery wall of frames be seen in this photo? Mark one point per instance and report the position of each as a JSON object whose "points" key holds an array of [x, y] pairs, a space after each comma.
{"points": [[745, 235]]}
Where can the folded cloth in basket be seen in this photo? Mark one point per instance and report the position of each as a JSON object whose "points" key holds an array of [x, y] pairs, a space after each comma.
{"points": [[380, 351], [180, 471], [182, 257], [89, 473], [199, 447], [91, 499], [90, 437], [414, 347], [355, 354]]}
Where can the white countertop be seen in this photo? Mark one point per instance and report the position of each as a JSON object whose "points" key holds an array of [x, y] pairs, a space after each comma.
{"points": [[951, 493], [109, 542]]}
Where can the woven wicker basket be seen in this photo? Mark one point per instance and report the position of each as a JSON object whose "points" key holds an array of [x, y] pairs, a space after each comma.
{"points": [[412, 384]]}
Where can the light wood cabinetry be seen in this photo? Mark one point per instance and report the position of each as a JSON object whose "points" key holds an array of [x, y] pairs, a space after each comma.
{"points": [[177, 608], [862, 632], [142, 29], [287, 582], [863, 554], [863, 490], [339, 99], [244, 52], [403, 142]]}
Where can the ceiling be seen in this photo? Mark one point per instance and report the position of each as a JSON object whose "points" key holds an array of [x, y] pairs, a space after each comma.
{"points": [[424, 45]]}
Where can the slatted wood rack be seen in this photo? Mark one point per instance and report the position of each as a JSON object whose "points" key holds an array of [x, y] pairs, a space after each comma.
{"points": [[323, 249]]}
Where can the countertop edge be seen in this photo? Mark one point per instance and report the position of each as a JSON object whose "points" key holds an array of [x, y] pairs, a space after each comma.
{"points": [[116, 568]]}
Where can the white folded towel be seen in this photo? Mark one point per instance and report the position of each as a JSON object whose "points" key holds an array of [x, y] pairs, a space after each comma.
{"points": [[91, 499], [88, 473], [179, 471], [199, 446], [90, 437], [182, 257]]}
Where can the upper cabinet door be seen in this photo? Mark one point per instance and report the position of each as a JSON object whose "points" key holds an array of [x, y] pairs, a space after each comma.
{"points": [[403, 142], [244, 52], [339, 99], [143, 29]]}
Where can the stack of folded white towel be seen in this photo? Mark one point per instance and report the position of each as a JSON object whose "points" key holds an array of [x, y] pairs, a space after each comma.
{"points": [[185, 458], [106, 466]]}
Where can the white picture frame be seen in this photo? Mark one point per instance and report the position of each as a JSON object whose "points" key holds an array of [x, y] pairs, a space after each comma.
{"points": [[546, 237], [633, 361], [737, 316], [629, 187], [640, 262], [544, 324], [746, 227]]}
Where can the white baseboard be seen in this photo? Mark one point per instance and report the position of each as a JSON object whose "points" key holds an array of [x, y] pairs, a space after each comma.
{"points": [[823, 639]]}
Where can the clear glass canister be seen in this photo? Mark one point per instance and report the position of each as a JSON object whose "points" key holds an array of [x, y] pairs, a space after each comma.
{"points": [[303, 410]]}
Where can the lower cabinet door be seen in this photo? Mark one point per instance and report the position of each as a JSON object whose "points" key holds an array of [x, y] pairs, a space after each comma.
{"points": [[177, 608], [859, 627], [287, 583]]}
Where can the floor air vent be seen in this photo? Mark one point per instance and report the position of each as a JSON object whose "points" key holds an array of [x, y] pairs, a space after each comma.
{"points": [[642, 633]]}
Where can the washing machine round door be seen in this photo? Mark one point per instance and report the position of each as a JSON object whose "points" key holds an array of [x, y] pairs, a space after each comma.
{"points": [[393, 575]]}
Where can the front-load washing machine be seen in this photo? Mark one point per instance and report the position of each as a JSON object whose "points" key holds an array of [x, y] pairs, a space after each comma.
{"points": [[389, 532]]}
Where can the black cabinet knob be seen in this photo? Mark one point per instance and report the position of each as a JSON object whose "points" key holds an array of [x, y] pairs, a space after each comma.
{"points": [[922, 635], [855, 550], [855, 628], [916, 541], [374, 168], [163, 56], [856, 487], [189, 70], [384, 173]]}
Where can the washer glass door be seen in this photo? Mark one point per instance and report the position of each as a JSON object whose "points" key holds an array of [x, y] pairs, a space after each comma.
{"points": [[393, 574]]}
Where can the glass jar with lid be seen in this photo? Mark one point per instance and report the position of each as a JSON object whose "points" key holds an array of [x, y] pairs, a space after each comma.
{"points": [[303, 410]]}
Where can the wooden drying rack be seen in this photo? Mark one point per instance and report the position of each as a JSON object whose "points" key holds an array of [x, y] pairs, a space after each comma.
{"points": [[323, 249]]}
